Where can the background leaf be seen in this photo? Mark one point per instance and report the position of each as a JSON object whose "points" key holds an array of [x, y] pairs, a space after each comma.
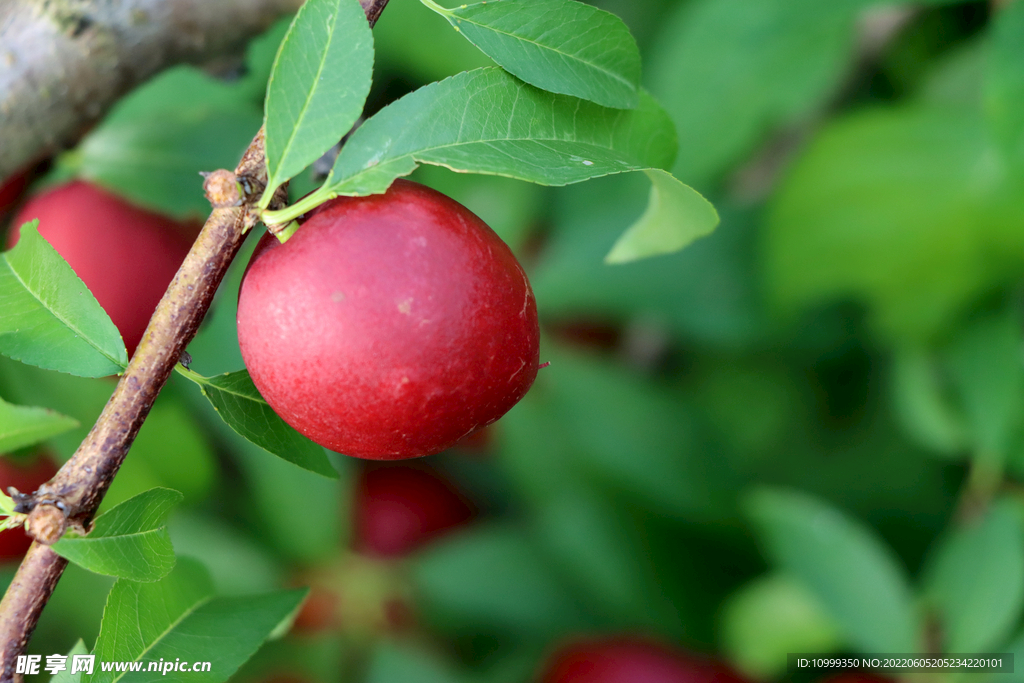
{"points": [[729, 72], [25, 425], [152, 146], [560, 46], [1004, 81], [49, 318], [239, 403], [848, 569], [975, 580], [493, 577], [320, 80], [906, 210], [66, 676], [129, 541]]}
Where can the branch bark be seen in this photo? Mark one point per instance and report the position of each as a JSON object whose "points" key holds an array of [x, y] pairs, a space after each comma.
{"points": [[63, 63], [75, 493]]}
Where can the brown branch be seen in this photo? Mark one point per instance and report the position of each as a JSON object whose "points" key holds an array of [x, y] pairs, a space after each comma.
{"points": [[63, 63], [75, 493]]}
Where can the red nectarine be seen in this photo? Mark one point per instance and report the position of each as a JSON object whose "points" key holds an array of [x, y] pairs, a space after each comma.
{"points": [[398, 508], [389, 326], [629, 659], [125, 255]]}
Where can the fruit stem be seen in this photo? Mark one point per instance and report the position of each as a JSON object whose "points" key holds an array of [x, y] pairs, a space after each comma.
{"points": [[281, 217]]}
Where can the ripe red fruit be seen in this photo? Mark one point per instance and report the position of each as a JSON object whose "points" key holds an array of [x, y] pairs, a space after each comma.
{"points": [[26, 476], [398, 508], [389, 326], [631, 660], [125, 255]]}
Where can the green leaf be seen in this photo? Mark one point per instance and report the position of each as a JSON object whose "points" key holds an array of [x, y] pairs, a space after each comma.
{"points": [[848, 569], [676, 215], [238, 402], [130, 541], [22, 426], [984, 361], [729, 72], [561, 46], [200, 636], [320, 80], [486, 121], [1004, 81], [595, 546], [395, 661], [975, 579], [613, 420], [138, 615], [770, 617], [49, 318], [908, 210], [66, 676], [493, 577], [153, 145], [178, 618], [923, 405]]}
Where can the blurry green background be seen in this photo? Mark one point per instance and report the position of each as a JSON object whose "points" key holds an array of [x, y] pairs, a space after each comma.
{"points": [[803, 433]]}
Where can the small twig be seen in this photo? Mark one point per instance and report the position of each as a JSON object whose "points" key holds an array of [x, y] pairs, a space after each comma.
{"points": [[75, 493]]}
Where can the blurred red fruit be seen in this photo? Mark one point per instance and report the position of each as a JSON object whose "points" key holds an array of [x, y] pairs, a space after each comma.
{"points": [[125, 255], [10, 191], [398, 508], [26, 476], [856, 677], [631, 660]]}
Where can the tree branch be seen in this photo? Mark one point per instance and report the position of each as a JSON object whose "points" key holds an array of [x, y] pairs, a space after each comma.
{"points": [[75, 493], [63, 63]]}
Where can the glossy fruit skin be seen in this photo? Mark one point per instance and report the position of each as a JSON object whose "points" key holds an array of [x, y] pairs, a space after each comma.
{"points": [[125, 255], [389, 326], [26, 476], [400, 507], [629, 659]]}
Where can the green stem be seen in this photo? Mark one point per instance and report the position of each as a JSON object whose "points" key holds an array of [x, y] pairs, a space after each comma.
{"points": [[436, 7], [290, 213]]}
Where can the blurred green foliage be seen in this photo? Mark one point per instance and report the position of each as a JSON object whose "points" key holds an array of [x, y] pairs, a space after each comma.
{"points": [[802, 433]]}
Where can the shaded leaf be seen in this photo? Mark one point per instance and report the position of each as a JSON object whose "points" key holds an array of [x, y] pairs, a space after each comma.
{"points": [[320, 80], [240, 405], [731, 71], [129, 541], [395, 661], [849, 570], [560, 46], [493, 577], [22, 426], [49, 318], [152, 146], [985, 364], [907, 210], [1004, 81]]}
